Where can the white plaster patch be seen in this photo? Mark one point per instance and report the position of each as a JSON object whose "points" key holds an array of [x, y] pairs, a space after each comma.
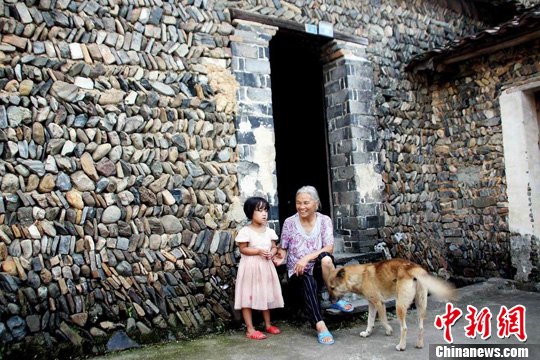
{"points": [[225, 85], [244, 127], [257, 171], [265, 156], [369, 181], [221, 63], [248, 184], [520, 139]]}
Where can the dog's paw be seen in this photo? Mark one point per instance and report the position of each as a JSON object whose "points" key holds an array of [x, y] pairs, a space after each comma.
{"points": [[365, 334], [400, 348], [419, 345], [389, 331]]}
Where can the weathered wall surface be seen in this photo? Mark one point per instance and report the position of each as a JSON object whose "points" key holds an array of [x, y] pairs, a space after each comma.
{"points": [[471, 182], [118, 174], [118, 160]]}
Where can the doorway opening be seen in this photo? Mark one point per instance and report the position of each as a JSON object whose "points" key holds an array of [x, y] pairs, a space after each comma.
{"points": [[299, 118]]}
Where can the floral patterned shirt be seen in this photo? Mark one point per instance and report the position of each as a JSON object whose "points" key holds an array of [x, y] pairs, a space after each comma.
{"points": [[298, 243]]}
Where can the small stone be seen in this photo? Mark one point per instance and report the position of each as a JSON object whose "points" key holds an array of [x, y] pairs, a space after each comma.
{"points": [[96, 332], [17, 326], [25, 87], [143, 328], [9, 266], [163, 88], [23, 12], [10, 183], [79, 319], [101, 151], [111, 215], [71, 334], [84, 83], [76, 51], [47, 184], [121, 341], [82, 182], [34, 323], [38, 133], [45, 276], [63, 182], [171, 224], [74, 198], [65, 91]]}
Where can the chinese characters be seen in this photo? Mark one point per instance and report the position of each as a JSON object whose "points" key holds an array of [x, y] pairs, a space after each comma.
{"points": [[509, 322]]}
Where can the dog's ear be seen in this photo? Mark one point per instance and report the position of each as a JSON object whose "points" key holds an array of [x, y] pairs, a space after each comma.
{"points": [[341, 273]]}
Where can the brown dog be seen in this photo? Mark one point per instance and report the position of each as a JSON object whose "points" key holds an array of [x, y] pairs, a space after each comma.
{"points": [[399, 278]]}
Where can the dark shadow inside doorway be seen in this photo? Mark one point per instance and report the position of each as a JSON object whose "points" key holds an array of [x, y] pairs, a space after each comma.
{"points": [[299, 118]]}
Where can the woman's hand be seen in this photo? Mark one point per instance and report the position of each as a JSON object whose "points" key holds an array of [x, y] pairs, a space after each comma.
{"points": [[300, 266], [280, 257]]}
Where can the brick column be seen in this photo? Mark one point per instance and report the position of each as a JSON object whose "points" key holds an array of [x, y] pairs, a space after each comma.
{"points": [[352, 134], [254, 121]]}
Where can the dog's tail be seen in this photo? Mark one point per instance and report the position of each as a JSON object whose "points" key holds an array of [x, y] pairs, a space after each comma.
{"points": [[442, 290]]}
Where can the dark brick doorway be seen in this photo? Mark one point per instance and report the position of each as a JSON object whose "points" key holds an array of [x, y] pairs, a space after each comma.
{"points": [[288, 136], [299, 118]]}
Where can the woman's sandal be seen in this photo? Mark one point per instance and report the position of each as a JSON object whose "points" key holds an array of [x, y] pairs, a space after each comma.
{"points": [[274, 330], [343, 306], [325, 335], [256, 335]]}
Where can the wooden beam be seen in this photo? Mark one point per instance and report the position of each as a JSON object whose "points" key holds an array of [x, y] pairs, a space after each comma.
{"points": [[291, 25], [452, 59]]}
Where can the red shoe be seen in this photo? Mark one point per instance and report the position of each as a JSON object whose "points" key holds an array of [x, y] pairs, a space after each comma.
{"points": [[257, 335], [274, 330]]}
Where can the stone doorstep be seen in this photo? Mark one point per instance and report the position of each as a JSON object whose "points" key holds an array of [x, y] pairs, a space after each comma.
{"points": [[360, 305], [342, 258]]}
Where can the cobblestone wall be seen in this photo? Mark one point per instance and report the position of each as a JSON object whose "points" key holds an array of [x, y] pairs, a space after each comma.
{"points": [[118, 170]]}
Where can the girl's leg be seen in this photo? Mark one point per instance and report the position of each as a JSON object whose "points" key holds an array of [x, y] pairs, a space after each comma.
{"points": [[248, 320], [266, 317], [274, 330], [251, 332]]}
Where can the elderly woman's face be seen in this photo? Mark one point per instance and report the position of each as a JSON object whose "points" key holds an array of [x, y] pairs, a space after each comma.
{"points": [[305, 205]]}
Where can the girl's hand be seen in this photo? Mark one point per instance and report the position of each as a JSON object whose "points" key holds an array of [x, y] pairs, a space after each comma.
{"points": [[265, 254]]}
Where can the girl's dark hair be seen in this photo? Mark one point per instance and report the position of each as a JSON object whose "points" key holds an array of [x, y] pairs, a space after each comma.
{"points": [[255, 203]]}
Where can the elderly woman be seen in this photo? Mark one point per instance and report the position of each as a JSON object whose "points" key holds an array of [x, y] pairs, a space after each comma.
{"points": [[307, 241]]}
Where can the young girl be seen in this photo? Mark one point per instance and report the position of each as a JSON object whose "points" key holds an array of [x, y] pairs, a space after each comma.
{"points": [[257, 282]]}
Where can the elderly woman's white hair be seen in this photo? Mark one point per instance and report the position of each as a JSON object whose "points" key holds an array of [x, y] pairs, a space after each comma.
{"points": [[311, 191]]}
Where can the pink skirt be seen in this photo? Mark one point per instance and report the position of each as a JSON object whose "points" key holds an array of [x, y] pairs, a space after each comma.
{"points": [[257, 284]]}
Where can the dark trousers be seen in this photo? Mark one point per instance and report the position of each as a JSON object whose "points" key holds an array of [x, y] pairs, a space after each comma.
{"points": [[310, 290]]}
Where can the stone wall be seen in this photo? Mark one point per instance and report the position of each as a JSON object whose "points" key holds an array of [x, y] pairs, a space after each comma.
{"points": [[118, 161], [118, 171], [463, 136]]}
